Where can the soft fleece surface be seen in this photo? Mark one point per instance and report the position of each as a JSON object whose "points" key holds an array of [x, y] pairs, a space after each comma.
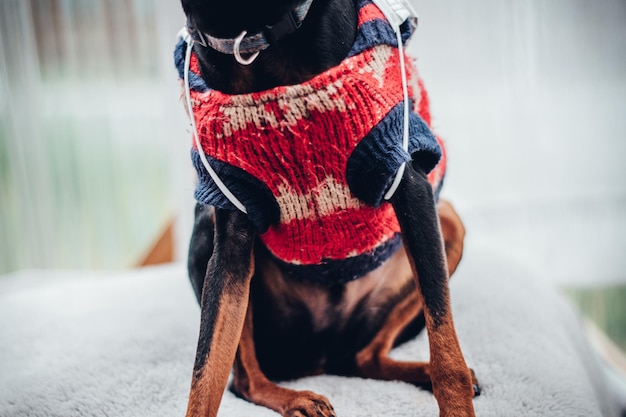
{"points": [[122, 344]]}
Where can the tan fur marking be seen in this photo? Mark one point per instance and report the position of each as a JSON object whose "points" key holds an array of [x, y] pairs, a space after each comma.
{"points": [[373, 361], [379, 284], [452, 380], [207, 387]]}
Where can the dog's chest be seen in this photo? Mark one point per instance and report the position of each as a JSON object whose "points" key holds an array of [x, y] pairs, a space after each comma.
{"points": [[335, 307]]}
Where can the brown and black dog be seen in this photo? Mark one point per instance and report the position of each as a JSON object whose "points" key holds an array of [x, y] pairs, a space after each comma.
{"points": [[271, 325]]}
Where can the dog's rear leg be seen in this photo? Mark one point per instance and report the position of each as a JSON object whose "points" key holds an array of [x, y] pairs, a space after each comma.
{"points": [[251, 383], [452, 381], [225, 297], [373, 360]]}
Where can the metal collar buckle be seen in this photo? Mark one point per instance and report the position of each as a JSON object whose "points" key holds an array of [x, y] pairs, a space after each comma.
{"points": [[237, 54], [197, 36]]}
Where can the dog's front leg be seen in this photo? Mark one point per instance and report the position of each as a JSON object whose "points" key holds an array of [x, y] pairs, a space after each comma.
{"points": [[414, 205], [251, 383], [223, 309]]}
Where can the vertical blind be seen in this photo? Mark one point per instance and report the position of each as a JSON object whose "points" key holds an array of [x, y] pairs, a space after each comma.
{"points": [[86, 131]]}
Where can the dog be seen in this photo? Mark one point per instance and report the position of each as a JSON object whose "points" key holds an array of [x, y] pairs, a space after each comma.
{"points": [[283, 290]]}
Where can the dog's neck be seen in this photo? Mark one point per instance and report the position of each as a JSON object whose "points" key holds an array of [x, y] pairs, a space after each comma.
{"points": [[322, 42]]}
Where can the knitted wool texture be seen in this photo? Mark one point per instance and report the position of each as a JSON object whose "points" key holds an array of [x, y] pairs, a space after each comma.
{"points": [[325, 151]]}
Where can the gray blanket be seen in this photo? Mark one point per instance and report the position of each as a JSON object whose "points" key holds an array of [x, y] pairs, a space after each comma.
{"points": [[122, 344]]}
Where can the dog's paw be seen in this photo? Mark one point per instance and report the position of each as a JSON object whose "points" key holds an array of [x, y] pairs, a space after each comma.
{"points": [[308, 404]]}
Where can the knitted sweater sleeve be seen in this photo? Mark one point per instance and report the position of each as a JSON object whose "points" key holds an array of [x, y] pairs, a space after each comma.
{"points": [[260, 204], [374, 162]]}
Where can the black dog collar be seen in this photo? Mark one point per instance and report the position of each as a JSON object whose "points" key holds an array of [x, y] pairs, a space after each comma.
{"points": [[252, 44]]}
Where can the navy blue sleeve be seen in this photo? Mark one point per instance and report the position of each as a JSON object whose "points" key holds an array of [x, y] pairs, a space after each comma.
{"points": [[258, 200], [373, 164]]}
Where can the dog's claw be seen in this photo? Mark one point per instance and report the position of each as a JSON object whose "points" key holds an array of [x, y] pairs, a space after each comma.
{"points": [[475, 384]]}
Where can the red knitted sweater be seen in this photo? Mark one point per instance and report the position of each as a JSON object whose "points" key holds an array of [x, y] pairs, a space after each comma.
{"points": [[316, 146]]}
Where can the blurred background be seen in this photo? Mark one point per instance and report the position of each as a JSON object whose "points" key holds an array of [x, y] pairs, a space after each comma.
{"points": [[530, 97]]}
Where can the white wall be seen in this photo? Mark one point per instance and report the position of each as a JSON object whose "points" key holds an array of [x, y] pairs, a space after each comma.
{"points": [[90, 131], [531, 97]]}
